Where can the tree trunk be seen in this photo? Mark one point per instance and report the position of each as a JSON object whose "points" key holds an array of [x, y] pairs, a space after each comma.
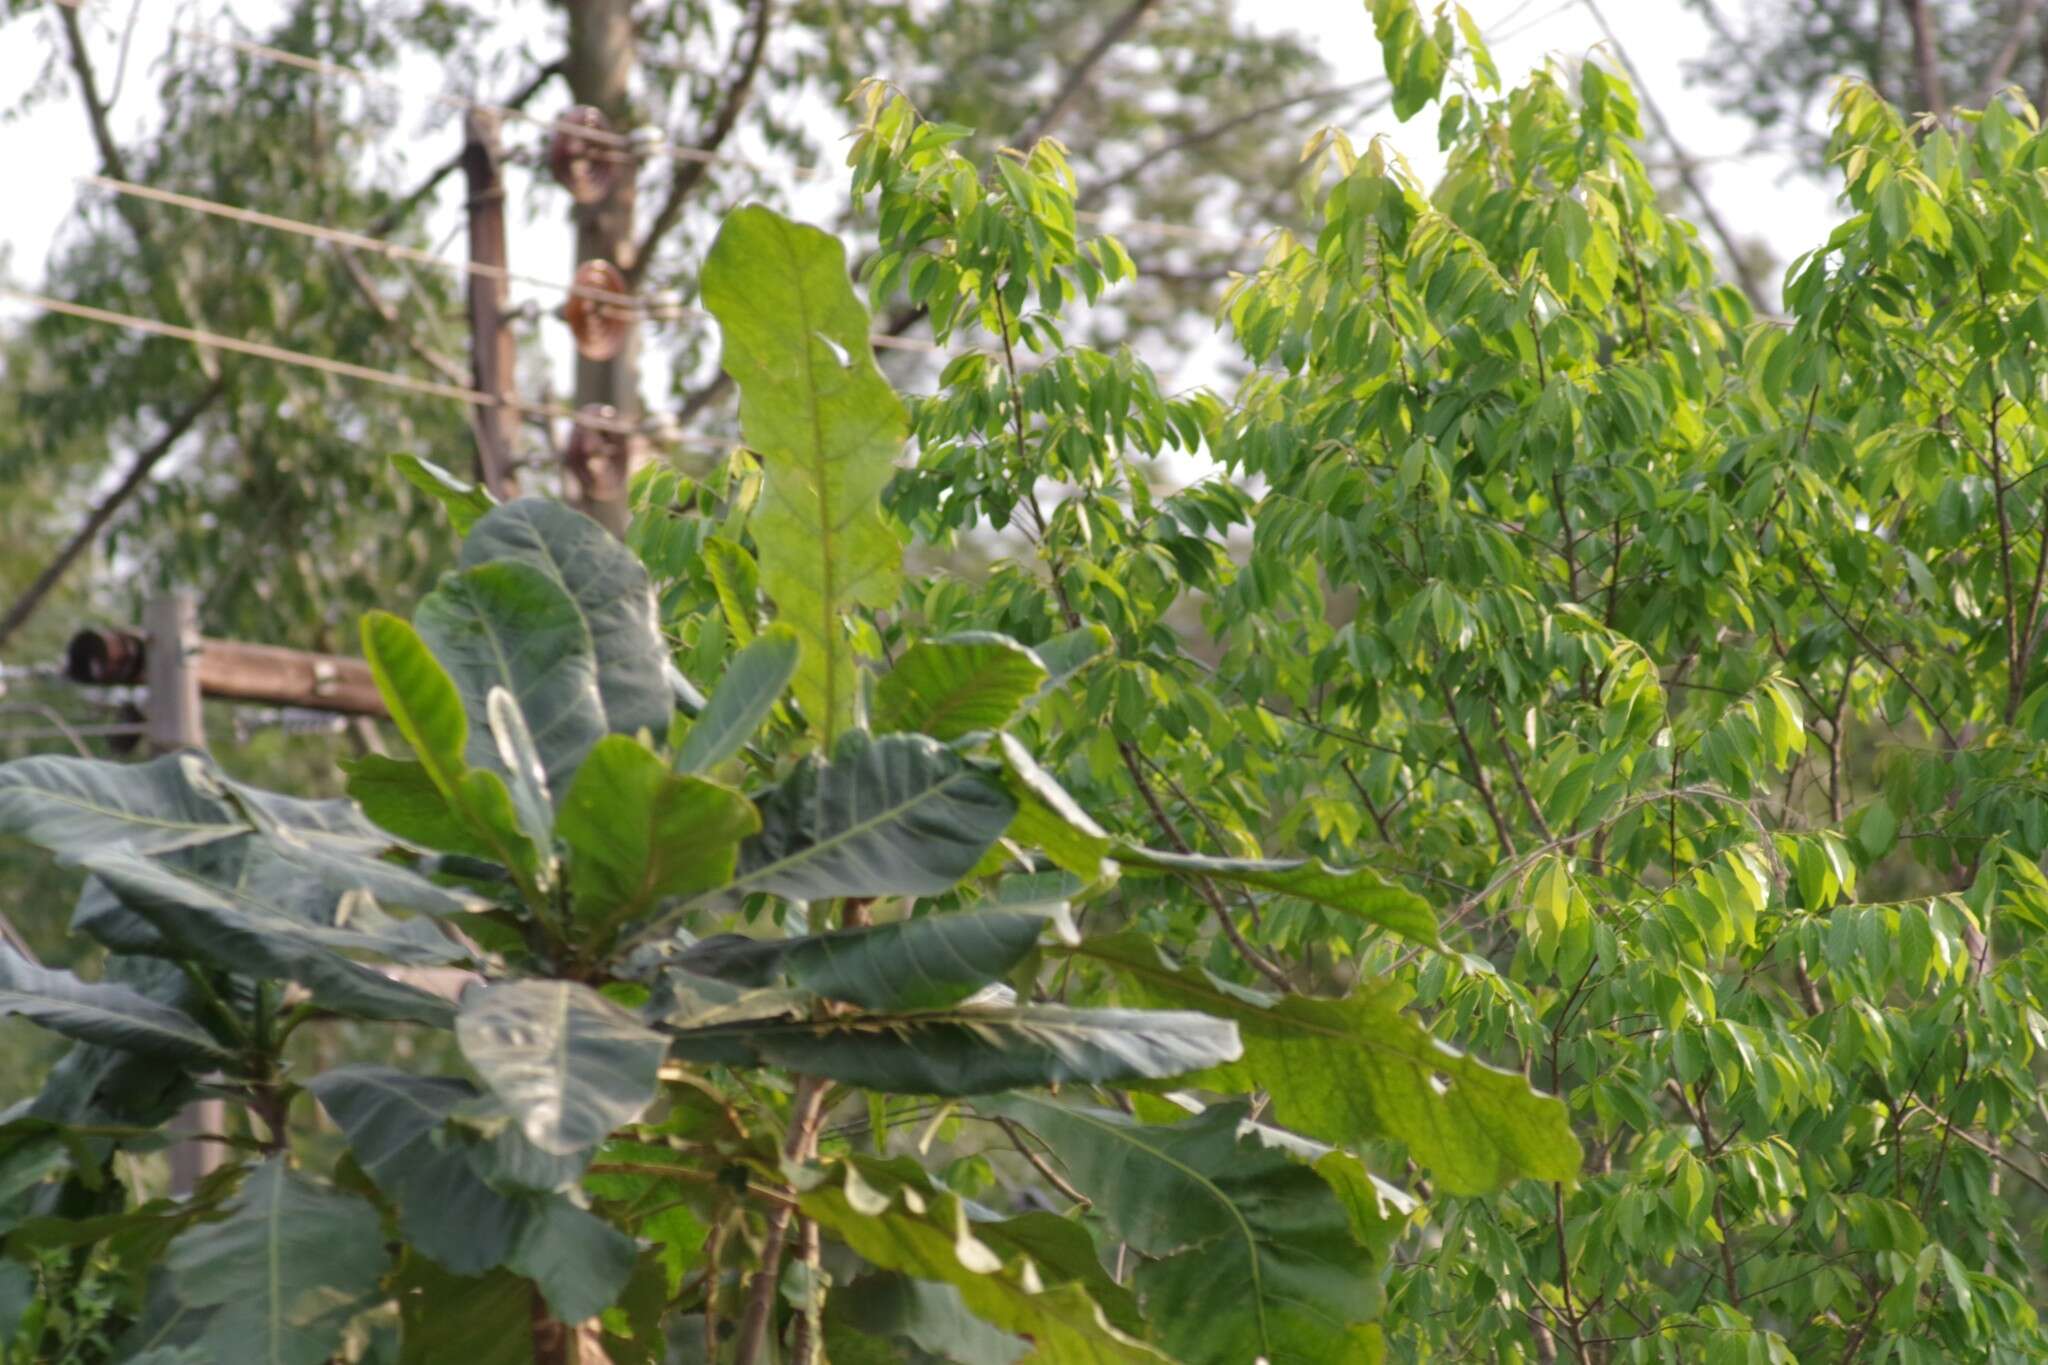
{"points": [[602, 50]]}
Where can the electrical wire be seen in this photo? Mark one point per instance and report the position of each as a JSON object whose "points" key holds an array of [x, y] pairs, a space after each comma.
{"points": [[677, 151], [395, 251], [346, 369]]}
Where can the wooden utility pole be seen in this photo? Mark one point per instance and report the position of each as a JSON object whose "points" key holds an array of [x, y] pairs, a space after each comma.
{"points": [[602, 49], [174, 722], [491, 343]]}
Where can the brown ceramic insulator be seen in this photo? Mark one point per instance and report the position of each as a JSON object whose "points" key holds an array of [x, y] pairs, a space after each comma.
{"points": [[598, 324], [104, 657], [586, 166]]}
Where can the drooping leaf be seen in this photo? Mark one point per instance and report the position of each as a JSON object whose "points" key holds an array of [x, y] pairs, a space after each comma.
{"points": [[1049, 818], [973, 1051], [579, 1261], [737, 581], [1071, 651], [1357, 891], [507, 624], [1358, 1069], [610, 591], [930, 1315], [395, 1124], [1248, 1253], [74, 806], [641, 833], [827, 426], [899, 816], [913, 964], [464, 502], [752, 684], [286, 1269], [101, 1012], [568, 1064], [201, 924], [935, 1241], [955, 686]]}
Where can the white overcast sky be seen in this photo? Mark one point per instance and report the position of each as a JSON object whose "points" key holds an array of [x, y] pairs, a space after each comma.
{"points": [[46, 150]]}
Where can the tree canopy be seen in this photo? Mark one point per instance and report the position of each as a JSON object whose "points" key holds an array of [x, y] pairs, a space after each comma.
{"points": [[1511, 832]]}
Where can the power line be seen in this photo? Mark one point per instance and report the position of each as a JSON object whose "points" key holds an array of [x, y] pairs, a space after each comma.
{"points": [[611, 138], [346, 369], [393, 250]]}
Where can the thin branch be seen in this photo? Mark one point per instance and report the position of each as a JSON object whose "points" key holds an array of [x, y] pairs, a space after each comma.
{"points": [[2008, 50], [1039, 1164], [1477, 775], [805, 1110], [103, 511], [1745, 273], [1926, 58], [1876, 653], [689, 173], [1098, 190], [1083, 70]]}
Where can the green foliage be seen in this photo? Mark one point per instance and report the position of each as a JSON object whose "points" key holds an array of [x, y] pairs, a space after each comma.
{"points": [[1641, 694]]}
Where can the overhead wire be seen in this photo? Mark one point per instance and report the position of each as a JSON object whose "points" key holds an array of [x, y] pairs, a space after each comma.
{"points": [[346, 369], [397, 251], [678, 151]]}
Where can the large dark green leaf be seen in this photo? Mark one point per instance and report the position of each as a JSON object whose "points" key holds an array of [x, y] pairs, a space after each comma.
{"points": [[101, 1012], [568, 1064], [640, 833], [1357, 891], [899, 816], [955, 686], [75, 806], [828, 427], [973, 1051], [286, 1269], [933, 1240], [610, 591], [579, 1261], [1356, 1069], [931, 1316], [1248, 1254], [752, 684], [396, 1126], [913, 964], [509, 624], [199, 922]]}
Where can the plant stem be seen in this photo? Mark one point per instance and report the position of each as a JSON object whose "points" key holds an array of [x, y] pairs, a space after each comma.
{"points": [[805, 1112]]}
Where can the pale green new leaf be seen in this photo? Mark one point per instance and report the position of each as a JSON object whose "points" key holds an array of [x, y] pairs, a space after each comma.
{"points": [[101, 1012], [567, 1063], [753, 683], [828, 428], [285, 1271], [640, 833], [1357, 1069], [464, 502], [955, 686]]}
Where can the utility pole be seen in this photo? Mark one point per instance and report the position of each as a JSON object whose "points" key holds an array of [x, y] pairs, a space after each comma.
{"points": [[602, 48], [491, 343], [173, 723]]}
